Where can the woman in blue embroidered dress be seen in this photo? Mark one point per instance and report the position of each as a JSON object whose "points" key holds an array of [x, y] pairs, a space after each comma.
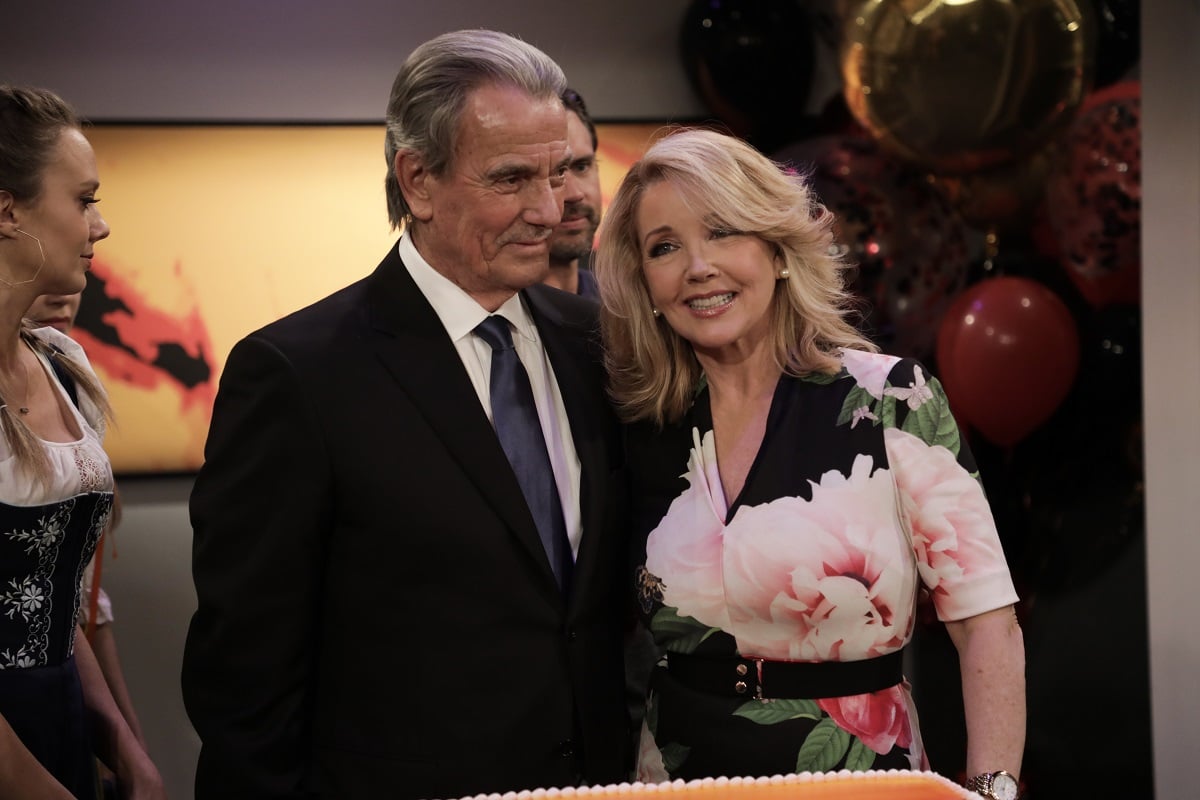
{"points": [[795, 489], [55, 481]]}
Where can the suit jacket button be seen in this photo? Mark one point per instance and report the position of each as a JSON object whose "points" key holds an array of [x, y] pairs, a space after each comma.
{"points": [[740, 687], [566, 749], [571, 635]]}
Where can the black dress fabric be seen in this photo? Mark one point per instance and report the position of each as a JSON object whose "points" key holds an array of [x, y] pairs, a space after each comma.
{"points": [[43, 550]]}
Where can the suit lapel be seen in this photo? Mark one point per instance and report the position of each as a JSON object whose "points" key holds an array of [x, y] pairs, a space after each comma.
{"points": [[412, 343], [584, 400]]}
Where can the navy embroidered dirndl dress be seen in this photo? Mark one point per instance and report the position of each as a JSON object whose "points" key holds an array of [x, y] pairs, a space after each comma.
{"points": [[48, 533]]}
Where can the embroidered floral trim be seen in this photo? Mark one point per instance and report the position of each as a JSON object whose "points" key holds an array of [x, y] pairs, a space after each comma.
{"points": [[27, 602], [23, 597], [92, 472]]}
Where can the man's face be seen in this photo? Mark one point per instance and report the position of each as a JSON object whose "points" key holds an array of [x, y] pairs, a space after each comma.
{"points": [[581, 213], [486, 223]]}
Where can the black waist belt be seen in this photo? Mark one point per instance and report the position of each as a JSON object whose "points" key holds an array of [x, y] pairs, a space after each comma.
{"points": [[776, 680]]}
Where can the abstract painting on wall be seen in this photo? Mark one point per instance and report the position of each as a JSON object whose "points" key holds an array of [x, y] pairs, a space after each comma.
{"points": [[216, 231]]}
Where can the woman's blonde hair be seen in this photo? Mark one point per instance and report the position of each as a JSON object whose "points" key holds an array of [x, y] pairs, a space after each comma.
{"points": [[653, 372], [27, 449]]}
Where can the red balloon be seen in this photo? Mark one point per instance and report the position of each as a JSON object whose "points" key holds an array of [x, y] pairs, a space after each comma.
{"points": [[1007, 354]]}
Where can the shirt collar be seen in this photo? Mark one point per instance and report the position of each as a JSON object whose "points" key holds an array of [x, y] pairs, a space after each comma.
{"points": [[457, 310]]}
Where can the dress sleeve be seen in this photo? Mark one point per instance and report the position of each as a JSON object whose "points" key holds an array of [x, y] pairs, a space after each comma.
{"points": [[104, 613], [954, 536]]}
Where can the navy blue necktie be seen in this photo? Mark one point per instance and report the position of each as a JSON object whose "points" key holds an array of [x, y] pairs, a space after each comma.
{"points": [[515, 417]]}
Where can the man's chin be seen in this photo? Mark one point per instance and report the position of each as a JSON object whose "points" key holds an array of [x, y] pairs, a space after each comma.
{"points": [[566, 251]]}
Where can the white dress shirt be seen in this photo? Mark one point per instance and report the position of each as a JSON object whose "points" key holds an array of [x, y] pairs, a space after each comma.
{"points": [[460, 314]]}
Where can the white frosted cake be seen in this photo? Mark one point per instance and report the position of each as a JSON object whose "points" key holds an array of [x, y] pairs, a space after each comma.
{"points": [[844, 785]]}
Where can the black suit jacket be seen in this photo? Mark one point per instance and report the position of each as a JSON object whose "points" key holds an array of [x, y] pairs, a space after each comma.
{"points": [[377, 616]]}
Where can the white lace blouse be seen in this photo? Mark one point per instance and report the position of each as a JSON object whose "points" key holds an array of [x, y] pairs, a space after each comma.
{"points": [[76, 467]]}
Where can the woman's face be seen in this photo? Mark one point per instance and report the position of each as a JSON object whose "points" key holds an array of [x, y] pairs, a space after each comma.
{"points": [[713, 285], [64, 217]]}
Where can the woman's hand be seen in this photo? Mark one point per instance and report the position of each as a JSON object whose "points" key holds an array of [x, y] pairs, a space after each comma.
{"points": [[113, 740], [137, 777]]}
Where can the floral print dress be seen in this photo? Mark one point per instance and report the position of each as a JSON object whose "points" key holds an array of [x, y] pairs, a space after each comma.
{"points": [[862, 493]]}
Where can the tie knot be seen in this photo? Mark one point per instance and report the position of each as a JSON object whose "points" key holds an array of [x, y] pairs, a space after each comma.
{"points": [[494, 330]]}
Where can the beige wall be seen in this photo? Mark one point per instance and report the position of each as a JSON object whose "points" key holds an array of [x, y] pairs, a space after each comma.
{"points": [[1171, 335]]}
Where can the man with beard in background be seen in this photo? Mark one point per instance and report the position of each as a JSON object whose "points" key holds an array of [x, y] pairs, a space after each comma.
{"points": [[572, 239]]}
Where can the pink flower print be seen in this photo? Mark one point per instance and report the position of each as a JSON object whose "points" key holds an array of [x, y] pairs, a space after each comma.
{"points": [[684, 551], [953, 532], [650, 767], [826, 579], [860, 414], [879, 719], [869, 370]]}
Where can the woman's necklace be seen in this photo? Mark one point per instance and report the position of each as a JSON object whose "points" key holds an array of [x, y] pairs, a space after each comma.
{"points": [[24, 407]]}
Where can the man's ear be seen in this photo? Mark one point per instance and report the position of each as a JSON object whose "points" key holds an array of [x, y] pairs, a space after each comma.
{"points": [[416, 184]]}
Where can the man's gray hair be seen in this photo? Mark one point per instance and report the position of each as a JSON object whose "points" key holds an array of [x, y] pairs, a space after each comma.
{"points": [[431, 89]]}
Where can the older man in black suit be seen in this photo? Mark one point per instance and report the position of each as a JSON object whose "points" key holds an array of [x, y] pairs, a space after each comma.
{"points": [[409, 543]]}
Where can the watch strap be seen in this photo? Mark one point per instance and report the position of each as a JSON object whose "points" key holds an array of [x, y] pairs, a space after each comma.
{"points": [[983, 784]]}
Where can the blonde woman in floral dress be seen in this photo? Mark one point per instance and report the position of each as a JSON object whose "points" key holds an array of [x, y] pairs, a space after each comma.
{"points": [[796, 489]]}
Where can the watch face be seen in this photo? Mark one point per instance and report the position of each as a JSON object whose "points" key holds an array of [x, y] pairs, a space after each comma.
{"points": [[1004, 786]]}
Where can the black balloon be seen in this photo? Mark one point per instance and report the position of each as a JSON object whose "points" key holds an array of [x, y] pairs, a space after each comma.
{"points": [[752, 62], [1118, 28]]}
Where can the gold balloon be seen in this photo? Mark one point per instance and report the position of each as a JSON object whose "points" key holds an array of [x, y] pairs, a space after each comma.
{"points": [[962, 85]]}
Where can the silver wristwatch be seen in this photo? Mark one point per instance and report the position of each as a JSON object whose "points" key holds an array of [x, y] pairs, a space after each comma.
{"points": [[996, 785]]}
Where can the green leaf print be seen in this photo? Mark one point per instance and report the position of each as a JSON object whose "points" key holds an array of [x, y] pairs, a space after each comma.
{"points": [[933, 423], [823, 748], [770, 712], [823, 378], [673, 756], [860, 757], [922, 422], [681, 634], [947, 428], [887, 412], [855, 399]]}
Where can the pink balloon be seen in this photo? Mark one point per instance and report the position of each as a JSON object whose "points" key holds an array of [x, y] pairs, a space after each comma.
{"points": [[1007, 354]]}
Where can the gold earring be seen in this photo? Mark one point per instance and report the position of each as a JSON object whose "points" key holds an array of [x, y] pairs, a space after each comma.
{"points": [[783, 274], [11, 284]]}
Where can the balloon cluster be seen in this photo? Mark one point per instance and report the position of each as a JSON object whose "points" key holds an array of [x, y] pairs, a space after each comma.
{"points": [[961, 123]]}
